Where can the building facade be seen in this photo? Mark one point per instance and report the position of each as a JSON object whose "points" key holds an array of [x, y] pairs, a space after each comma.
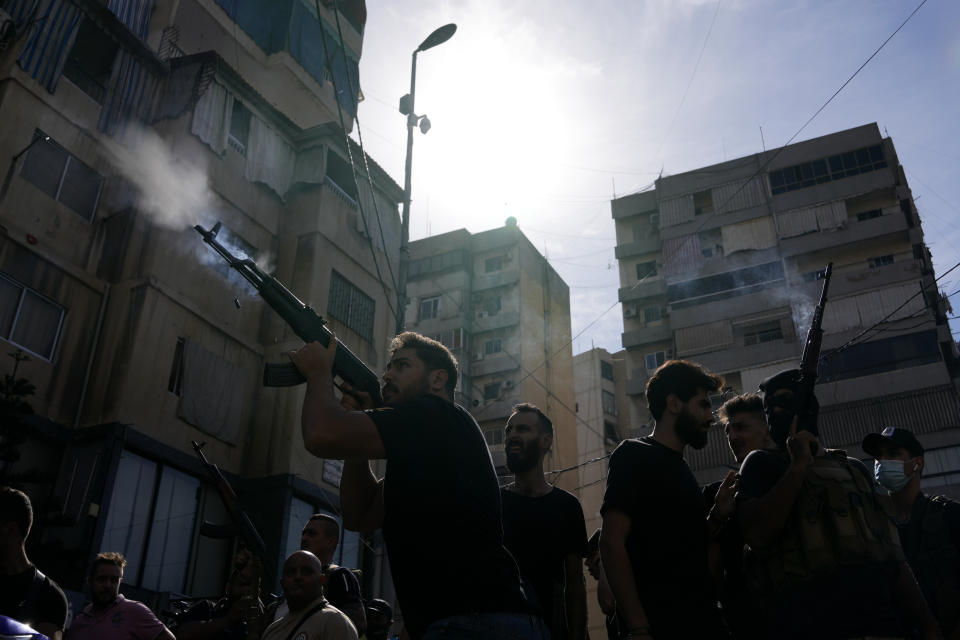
{"points": [[720, 265], [124, 124], [496, 302], [599, 379]]}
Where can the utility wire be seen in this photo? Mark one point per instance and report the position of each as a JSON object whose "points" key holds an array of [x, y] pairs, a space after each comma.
{"points": [[349, 144], [751, 178]]}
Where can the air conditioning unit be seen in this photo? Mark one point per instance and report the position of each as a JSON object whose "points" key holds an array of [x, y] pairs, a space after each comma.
{"points": [[508, 384], [629, 312]]}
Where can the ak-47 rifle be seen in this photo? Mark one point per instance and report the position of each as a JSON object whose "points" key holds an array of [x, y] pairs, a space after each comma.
{"points": [[240, 522], [809, 362], [304, 321]]}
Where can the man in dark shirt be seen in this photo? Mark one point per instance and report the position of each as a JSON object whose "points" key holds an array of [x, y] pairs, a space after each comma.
{"points": [[320, 536], [439, 498], [746, 429], [823, 561], [26, 595], [654, 537], [929, 527], [543, 526]]}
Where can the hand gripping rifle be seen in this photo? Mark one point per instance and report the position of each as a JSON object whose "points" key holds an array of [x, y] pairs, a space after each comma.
{"points": [[806, 403], [304, 321]]}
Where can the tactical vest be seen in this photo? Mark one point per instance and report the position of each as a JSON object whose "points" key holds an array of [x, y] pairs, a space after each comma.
{"points": [[835, 522], [937, 565]]}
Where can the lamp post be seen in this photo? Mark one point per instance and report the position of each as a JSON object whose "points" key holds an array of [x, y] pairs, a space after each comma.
{"points": [[439, 36]]}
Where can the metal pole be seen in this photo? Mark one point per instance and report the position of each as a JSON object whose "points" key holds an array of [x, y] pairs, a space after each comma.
{"points": [[405, 215]]}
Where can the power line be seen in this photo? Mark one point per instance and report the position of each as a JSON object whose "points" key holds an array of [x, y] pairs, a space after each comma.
{"points": [[746, 182], [373, 195], [693, 74], [853, 340]]}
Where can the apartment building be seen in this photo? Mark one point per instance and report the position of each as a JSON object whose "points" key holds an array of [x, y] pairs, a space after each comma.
{"points": [[496, 302], [720, 265], [599, 379], [140, 338]]}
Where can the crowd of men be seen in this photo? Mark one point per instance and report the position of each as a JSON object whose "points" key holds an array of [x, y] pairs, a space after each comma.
{"points": [[800, 542]]}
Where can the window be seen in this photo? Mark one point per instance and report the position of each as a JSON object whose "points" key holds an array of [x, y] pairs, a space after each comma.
{"points": [[877, 356], [492, 346], [610, 434], [609, 402], [452, 339], [176, 369], [651, 314], [702, 203], [711, 243], [347, 553], [842, 165], [606, 370], [152, 502], [434, 264], [766, 332], [239, 133], [429, 307], [493, 305], [726, 285], [880, 261], [28, 319], [646, 269], [493, 436], [493, 264], [340, 173], [90, 62], [351, 306], [654, 360], [491, 391], [867, 215], [63, 177]]}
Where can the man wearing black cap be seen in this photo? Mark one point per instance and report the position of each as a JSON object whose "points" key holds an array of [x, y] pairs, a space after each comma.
{"points": [[929, 526], [824, 558]]}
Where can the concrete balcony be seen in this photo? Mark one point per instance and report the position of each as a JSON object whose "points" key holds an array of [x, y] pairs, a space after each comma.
{"points": [[496, 363], [647, 289], [738, 357], [650, 244], [856, 231], [647, 335], [834, 190], [498, 279], [733, 307], [634, 204], [497, 321], [844, 284]]}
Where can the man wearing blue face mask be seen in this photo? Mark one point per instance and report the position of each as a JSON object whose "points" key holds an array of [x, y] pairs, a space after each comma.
{"points": [[929, 526]]}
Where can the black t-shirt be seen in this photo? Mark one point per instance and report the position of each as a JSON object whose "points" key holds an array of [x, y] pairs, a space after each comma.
{"points": [[33, 601], [442, 523], [541, 532], [850, 602], [342, 589], [667, 544], [739, 610]]}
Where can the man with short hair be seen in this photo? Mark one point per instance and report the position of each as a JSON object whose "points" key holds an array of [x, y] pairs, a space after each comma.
{"points": [[320, 536], [310, 616], [543, 526], [654, 540], [439, 498], [824, 560], [379, 619], [929, 526], [746, 429], [110, 616], [26, 595]]}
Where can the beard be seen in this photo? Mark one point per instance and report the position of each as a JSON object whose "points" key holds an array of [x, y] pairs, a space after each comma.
{"points": [[690, 431], [525, 459], [393, 395]]}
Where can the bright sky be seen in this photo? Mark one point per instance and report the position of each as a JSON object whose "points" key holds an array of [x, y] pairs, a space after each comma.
{"points": [[543, 109]]}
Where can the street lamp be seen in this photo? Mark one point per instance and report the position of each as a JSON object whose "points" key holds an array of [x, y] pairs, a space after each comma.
{"points": [[439, 36]]}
